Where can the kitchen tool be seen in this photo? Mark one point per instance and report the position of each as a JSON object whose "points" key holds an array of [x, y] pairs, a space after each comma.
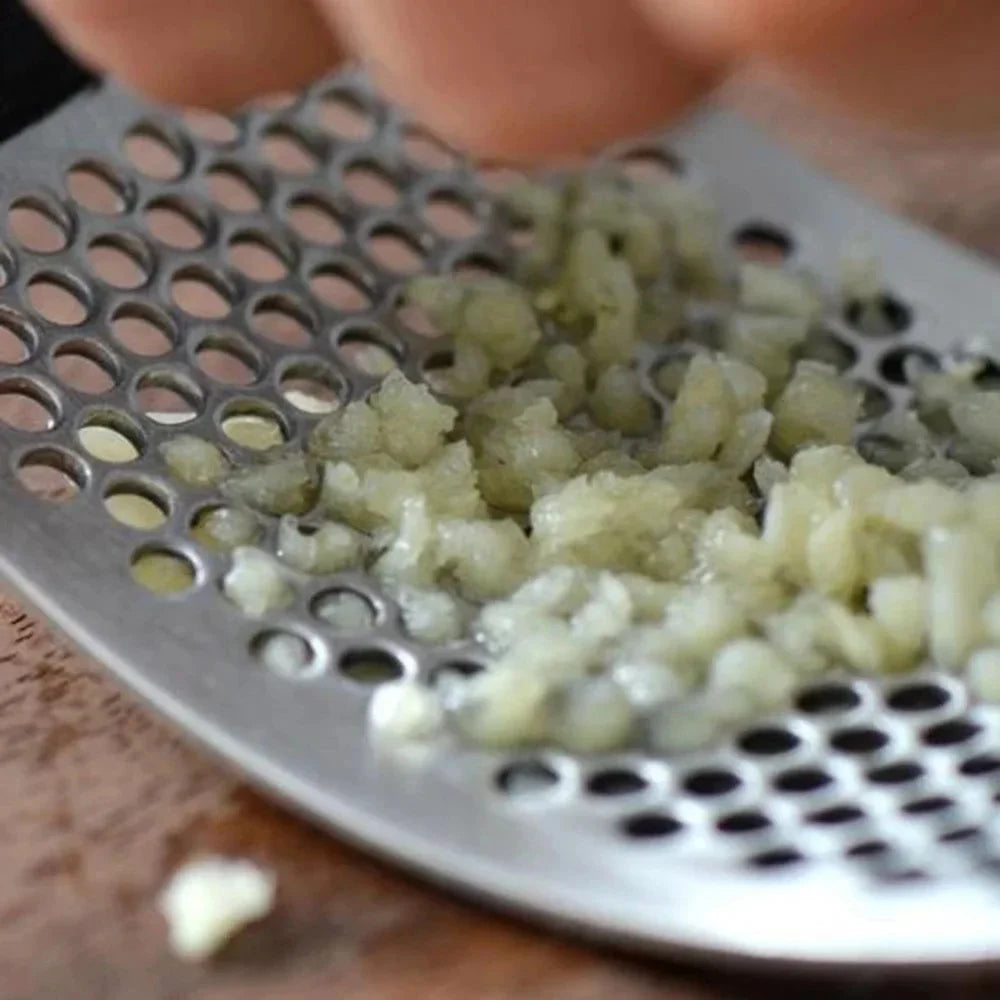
{"points": [[860, 829]]}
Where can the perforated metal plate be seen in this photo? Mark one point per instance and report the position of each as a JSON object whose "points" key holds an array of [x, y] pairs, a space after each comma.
{"points": [[859, 829]]}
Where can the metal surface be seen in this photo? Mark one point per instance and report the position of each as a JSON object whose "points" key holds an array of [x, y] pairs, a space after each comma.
{"points": [[887, 794]]}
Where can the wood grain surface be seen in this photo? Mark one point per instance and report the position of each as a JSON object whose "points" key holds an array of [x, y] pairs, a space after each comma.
{"points": [[100, 801]]}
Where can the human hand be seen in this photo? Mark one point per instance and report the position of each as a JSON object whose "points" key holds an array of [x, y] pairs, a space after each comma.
{"points": [[534, 78]]}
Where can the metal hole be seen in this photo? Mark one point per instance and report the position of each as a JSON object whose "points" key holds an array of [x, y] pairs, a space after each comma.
{"points": [[614, 781], [868, 849], [287, 151], [37, 225], [343, 115], [394, 249], [416, 320], [526, 777], [768, 741], [875, 402], [58, 298], [763, 243], [285, 654], [651, 163], [314, 220], [778, 857], [97, 187], [120, 261], [341, 287], [200, 292], [366, 351], [451, 216], [136, 505], [86, 366], [921, 697], [366, 182], [826, 347], [163, 571], [280, 319], [225, 358], [930, 804], [651, 826], [344, 610], [747, 821], [111, 436], [175, 222], [142, 329], [18, 340], [52, 474], [860, 740], [900, 364], [155, 153], [370, 666], [896, 774], [802, 779], [424, 150], [477, 265], [26, 406], [258, 256], [882, 449], [211, 127], [711, 781], [883, 316], [985, 763], [253, 424], [454, 670], [950, 733], [233, 189], [167, 396], [312, 387], [222, 528], [961, 834], [835, 815], [827, 699]]}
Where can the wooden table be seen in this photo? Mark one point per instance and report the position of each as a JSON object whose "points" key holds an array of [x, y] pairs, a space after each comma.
{"points": [[101, 802]]}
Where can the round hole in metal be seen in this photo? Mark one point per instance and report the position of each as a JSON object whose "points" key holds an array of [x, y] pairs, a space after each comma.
{"points": [[211, 127], [282, 320], [526, 777], [884, 316], [176, 222], [900, 364], [897, 773], [651, 826], [768, 741], [253, 424], [828, 699], [345, 116], [111, 436], [285, 654], [58, 298], [168, 396], [426, 151], [451, 216], [747, 821], [395, 250], [615, 781], [711, 781], [142, 329], [370, 666], [86, 366], [341, 287], [155, 153], [26, 405], [918, 697], [367, 183], [344, 610], [802, 779], [223, 356], [314, 220], [52, 474], [951, 733], [859, 740], [137, 505], [38, 225], [200, 292], [365, 350], [18, 339], [163, 571], [233, 189], [312, 387], [763, 243], [97, 187], [119, 260], [258, 256], [288, 151]]}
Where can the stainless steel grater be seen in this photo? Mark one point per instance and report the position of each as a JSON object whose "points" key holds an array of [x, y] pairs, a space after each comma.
{"points": [[861, 829]]}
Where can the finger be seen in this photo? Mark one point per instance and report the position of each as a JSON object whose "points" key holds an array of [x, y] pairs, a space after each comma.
{"points": [[919, 64], [522, 78], [217, 53]]}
